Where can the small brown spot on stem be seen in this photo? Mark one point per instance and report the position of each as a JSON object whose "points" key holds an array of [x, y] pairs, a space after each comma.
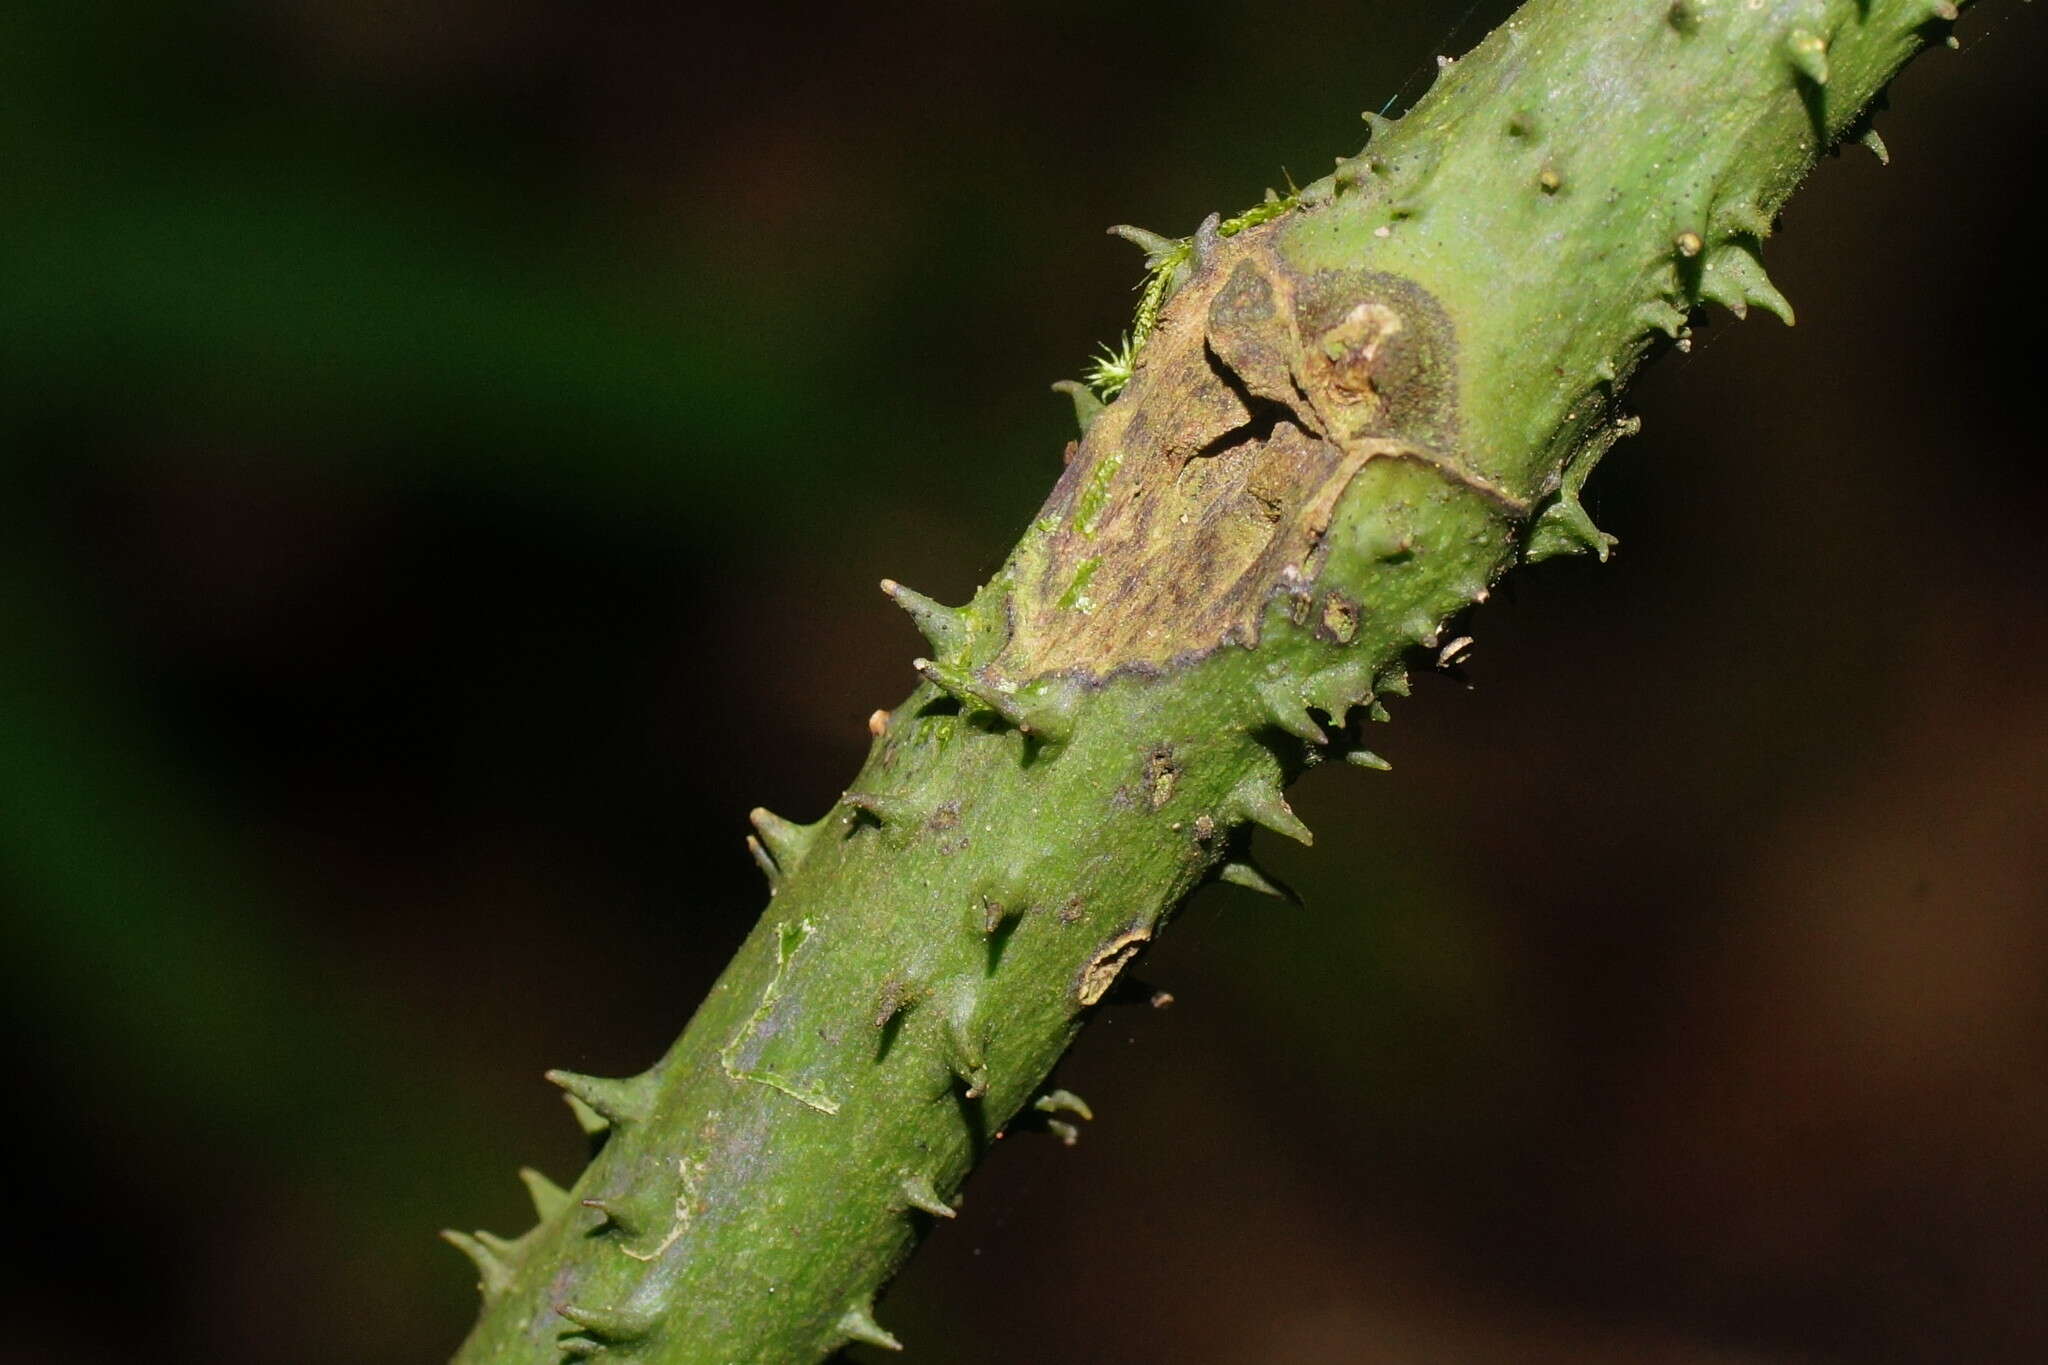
{"points": [[1162, 775], [895, 996], [1340, 618], [1110, 959]]}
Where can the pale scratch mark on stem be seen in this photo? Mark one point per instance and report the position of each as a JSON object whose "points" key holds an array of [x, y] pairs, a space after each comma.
{"points": [[684, 1204], [788, 939]]}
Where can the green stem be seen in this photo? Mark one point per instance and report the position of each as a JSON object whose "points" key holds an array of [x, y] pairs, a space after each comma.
{"points": [[1348, 422]]}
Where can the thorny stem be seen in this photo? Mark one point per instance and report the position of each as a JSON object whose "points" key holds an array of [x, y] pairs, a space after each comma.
{"points": [[1344, 424]]}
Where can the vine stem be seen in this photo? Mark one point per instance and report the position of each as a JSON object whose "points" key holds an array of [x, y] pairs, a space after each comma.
{"points": [[1350, 416]]}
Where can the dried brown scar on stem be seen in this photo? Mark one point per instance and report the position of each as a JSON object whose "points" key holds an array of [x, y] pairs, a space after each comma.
{"points": [[1341, 361], [1364, 359], [1215, 476], [1101, 971]]}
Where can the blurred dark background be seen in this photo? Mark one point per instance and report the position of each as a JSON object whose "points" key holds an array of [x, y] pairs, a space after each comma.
{"points": [[450, 448]]}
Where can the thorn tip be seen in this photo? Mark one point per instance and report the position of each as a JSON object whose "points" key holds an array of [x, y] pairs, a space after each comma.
{"points": [[920, 1194], [858, 1323]]}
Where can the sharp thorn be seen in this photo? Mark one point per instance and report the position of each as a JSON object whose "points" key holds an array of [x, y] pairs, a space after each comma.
{"points": [[987, 913], [493, 1275], [966, 689], [1043, 710], [1564, 528], [944, 627], [618, 1102], [1258, 800], [1087, 405], [1285, 709], [548, 1198], [1808, 53], [896, 996], [1208, 237], [965, 1057], [858, 1324], [785, 841], [1247, 874], [765, 863], [1336, 689], [589, 1120], [504, 1248], [609, 1324], [1660, 316], [1735, 278], [1157, 249], [920, 1194]]}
